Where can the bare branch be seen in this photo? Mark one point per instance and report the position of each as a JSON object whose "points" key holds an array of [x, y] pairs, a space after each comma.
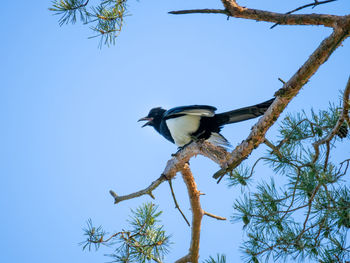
{"points": [[215, 216], [197, 213], [234, 10], [147, 190], [176, 204], [282, 80], [177, 162], [200, 11], [283, 19], [314, 4]]}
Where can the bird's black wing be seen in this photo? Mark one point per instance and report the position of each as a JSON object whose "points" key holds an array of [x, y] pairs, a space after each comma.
{"points": [[198, 110]]}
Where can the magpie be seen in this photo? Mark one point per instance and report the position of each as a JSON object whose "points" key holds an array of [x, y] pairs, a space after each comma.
{"points": [[184, 124]]}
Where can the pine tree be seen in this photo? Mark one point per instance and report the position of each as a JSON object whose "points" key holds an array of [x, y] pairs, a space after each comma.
{"points": [[304, 216]]}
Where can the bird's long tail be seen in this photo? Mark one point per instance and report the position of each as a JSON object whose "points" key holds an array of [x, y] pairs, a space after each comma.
{"points": [[243, 114]]}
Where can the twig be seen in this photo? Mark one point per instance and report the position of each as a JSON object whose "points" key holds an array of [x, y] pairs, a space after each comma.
{"points": [[147, 190], [214, 216], [200, 11], [293, 196], [347, 161], [253, 167], [175, 201], [308, 212], [282, 80], [274, 148], [326, 140], [314, 4]]}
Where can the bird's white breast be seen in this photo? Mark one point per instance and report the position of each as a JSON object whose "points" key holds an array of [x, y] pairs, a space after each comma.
{"points": [[182, 127]]}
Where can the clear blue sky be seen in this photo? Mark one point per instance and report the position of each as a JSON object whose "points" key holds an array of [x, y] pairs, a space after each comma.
{"points": [[68, 113]]}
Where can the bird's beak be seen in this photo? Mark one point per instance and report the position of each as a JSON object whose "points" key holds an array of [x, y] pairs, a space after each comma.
{"points": [[149, 120]]}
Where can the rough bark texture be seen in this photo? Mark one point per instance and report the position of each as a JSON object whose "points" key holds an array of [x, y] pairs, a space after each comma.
{"points": [[238, 11], [197, 215], [232, 9]]}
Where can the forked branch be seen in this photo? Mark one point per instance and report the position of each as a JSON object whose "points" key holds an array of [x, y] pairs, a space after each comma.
{"points": [[176, 164]]}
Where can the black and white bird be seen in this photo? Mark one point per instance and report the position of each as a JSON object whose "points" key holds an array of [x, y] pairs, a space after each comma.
{"points": [[181, 125]]}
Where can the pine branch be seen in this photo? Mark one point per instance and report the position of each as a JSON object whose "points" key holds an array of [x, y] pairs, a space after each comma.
{"points": [[286, 94], [144, 241], [345, 114]]}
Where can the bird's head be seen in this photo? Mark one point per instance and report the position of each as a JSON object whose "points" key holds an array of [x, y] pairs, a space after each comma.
{"points": [[153, 118]]}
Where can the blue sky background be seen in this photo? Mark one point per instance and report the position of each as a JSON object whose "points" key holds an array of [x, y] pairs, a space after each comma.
{"points": [[68, 113]]}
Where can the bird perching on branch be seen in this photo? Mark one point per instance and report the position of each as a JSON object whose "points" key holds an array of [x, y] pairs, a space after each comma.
{"points": [[184, 124]]}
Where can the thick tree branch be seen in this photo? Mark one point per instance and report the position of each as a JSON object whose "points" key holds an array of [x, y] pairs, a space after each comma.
{"points": [[283, 96], [197, 215], [234, 10]]}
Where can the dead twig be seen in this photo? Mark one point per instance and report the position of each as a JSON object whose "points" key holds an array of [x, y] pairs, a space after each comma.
{"points": [[175, 201], [314, 4], [214, 216]]}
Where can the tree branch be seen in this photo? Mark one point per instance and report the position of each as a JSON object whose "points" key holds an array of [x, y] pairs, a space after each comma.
{"points": [[346, 103], [345, 114], [234, 10], [176, 204], [200, 11], [284, 95], [197, 215], [147, 190], [214, 216], [177, 162]]}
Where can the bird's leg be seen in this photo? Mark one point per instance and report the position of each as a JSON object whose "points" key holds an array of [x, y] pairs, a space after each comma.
{"points": [[193, 139], [196, 137], [180, 148]]}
